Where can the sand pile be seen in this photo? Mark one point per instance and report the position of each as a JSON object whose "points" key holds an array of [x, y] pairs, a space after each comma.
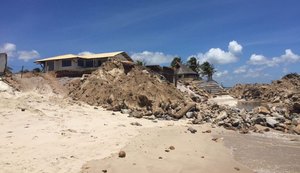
{"points": [[131, 89]]}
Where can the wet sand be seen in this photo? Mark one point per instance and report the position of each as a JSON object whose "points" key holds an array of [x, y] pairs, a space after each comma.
{"points": [[265, 153]]}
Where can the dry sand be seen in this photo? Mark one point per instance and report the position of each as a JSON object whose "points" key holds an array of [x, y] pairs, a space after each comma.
{"points": [[57, 135]]}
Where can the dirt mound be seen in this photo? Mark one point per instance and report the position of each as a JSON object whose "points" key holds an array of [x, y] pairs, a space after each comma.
{"points": [[118, 86], [43, 83]]}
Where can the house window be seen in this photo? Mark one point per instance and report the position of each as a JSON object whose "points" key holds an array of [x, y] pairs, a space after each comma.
{"points": [[66, 62], [89, 63], [99, 63], [80, 62]]}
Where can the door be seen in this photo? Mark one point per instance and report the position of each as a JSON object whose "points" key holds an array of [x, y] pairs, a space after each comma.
{"points": [[50, 65]]}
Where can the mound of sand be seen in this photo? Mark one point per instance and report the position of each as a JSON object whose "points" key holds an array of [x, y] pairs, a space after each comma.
{"points": [[118, 86]]}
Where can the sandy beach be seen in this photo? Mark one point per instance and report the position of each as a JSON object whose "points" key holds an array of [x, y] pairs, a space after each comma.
{"points": [[43, 130]]}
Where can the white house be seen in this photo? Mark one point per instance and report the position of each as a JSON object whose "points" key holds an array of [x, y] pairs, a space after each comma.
{"points": [[80, 63]]}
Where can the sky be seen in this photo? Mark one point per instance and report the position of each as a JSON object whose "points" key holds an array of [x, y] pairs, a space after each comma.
{"points": [[247, 41]]}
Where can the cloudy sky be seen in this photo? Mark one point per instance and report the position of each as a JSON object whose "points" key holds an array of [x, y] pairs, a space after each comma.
{"points": [[247, 41]]}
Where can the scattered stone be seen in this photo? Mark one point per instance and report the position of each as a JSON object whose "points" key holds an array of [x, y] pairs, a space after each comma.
{"points": [[202, 157], [172, 147], [22, 109], [104, 171], [237, 169], [160, 157], [297, 129], [192, 130], [113, 113], [206, 131], [95, 108], [166, 150], [215, 139], [122, 154], [136, 124]]}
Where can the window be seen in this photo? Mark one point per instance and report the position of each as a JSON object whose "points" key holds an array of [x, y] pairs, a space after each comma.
{"points": [[80, 62], [99, 63], [66, 62], [89, 63]]}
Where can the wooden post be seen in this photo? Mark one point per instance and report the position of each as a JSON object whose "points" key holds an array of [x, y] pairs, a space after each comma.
{"points": [[22, 71]]}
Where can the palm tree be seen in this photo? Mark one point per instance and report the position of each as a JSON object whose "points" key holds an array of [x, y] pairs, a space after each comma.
{"points": [[207, 69], [193, 64], [175, 62]]}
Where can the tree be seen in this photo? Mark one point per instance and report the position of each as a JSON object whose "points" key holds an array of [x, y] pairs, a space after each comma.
{"points": [[175, 62], [140, 63], [208, 70], [193, 64]]}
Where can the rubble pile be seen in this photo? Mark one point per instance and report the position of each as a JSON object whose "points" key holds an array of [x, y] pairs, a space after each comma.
{"points": [[284, 92], [280, 100], [196, 93], [132, 90], [257, 120]]}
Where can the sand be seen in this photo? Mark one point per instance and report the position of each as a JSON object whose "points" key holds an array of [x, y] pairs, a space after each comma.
{"points": [[224, 100], [193, 153], [54, 134]]}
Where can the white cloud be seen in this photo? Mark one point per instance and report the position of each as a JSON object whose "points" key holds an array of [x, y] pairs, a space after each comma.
{"points": [[12, 52], [85, 53], [241, 69], [288, 57], [8, 48], [219, 56], [152, 58], [256, 72], [219, 74], [28, 55], [235, 47]]}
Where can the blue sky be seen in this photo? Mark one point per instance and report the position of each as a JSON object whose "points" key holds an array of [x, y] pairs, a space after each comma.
{"points": [[247, 41]]}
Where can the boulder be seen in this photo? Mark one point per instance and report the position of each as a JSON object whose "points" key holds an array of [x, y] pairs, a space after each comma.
{"points": [[297, 129], [271, 121]]}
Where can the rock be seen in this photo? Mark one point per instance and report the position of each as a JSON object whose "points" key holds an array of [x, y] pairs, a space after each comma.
{"points": [[262, 110], [125, 111], [113, 113], [190, 114], [122, 154], [222, 116], [237, 169], [296, 108], [215, 139], [297, 129], [22, 109], [160, 158], [192, 130], [136, 124], [136, 114], [271, 121], [184, 110], [166, 150], [172, 147], [104, 171], [206, 131]]}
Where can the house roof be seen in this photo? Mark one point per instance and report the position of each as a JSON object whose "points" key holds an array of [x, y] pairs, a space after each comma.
{"points": [[89, 56], [183, 69]]}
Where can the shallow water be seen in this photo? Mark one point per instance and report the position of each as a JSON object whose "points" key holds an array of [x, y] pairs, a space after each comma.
{"points": [[264, 153], [248, 105]]}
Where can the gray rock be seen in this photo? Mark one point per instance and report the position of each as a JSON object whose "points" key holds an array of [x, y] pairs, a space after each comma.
{"points": [[271, 121], [190, 114], [125, 111], [136, 124], [192, 130]]}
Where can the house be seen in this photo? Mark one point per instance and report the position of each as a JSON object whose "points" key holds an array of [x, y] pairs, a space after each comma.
{"points": [[75, 65], [3, 63], [166, 72], [184, 72]]}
